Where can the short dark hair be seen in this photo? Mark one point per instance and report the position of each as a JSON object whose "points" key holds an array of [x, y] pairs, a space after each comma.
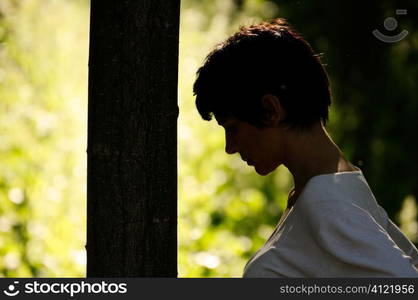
{"points": [[268, 58]]}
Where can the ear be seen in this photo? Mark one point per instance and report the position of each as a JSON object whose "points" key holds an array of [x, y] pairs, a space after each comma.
{"points": [[273, 112]]}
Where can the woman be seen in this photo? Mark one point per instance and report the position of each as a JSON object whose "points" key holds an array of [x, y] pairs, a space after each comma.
{"points": [[270, 92]]}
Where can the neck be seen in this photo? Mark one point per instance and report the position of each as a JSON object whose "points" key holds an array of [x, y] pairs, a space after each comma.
{"points": [[312, 153]]}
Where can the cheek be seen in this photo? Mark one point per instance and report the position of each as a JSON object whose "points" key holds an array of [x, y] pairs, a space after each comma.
{"points": [[271, 156]]}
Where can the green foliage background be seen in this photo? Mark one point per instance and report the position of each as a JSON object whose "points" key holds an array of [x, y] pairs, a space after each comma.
{"points": [[43, 74], [226, 211]]}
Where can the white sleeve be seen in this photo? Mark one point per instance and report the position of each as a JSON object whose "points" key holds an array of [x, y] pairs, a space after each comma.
{"points": [[399, 238], [356, 242]]}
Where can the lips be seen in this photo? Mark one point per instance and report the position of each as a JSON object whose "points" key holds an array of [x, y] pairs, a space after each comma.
{"points": [[248, 161]]}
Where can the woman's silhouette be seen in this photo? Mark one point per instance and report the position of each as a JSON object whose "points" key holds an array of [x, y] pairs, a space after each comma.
{"points": [[270, 92]]}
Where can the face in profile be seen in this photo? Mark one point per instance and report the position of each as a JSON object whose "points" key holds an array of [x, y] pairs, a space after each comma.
{"points": [[258, 147]]}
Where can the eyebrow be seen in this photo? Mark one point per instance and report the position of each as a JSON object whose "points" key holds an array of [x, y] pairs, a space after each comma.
{"points": [[221, 122]]}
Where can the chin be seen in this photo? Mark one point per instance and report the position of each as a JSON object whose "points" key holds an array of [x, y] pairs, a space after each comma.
{"points": [[264, 171]]}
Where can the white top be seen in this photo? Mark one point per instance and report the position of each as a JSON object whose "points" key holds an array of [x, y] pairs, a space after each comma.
{"points": [[336, 229]]}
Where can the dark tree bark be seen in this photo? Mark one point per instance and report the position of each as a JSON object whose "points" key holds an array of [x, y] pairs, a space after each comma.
{"points": [[132, 139]]}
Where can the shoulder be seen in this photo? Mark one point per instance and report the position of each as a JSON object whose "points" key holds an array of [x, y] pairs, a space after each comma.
{"points": [[339, 193], [339, 205], [325, 212], [339, 214]]}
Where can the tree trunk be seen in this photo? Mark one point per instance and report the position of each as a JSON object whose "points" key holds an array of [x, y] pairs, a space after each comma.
{"points": [[132, 139]]}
